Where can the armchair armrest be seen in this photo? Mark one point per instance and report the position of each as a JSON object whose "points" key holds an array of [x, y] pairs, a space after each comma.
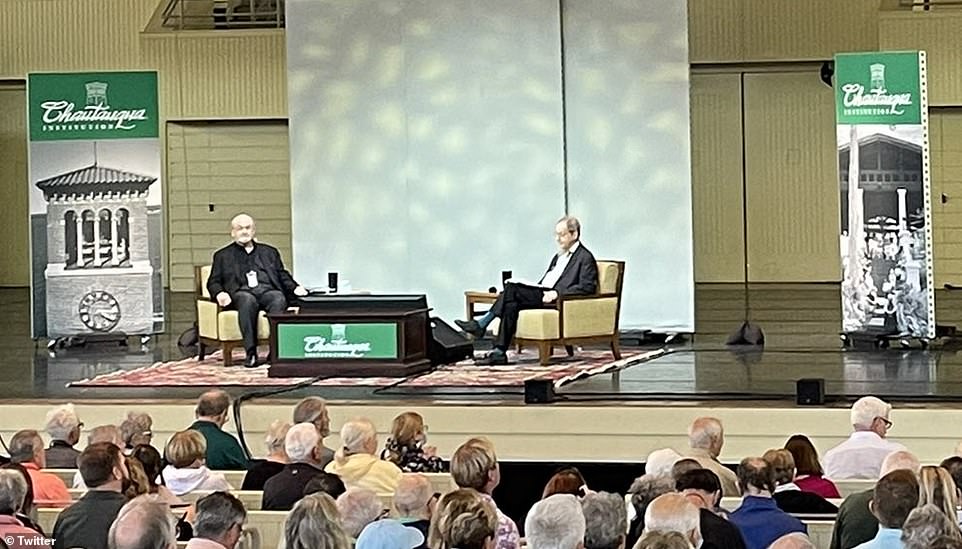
{"points": [[207, 318]]}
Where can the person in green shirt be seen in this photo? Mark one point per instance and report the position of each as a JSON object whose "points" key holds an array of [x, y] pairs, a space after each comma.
{"points": [[224, 453]]}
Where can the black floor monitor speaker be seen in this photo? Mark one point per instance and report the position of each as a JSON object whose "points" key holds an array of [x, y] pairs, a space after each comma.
{"points": [[810, 391], [538, 391], [447, 345]]}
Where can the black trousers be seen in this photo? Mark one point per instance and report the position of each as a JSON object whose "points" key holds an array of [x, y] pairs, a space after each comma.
{"points": [[514, 299], [248, 305]]}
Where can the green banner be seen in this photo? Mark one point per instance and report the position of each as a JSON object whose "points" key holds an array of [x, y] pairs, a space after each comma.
{"points": [[878, 88], [92, 105], [350, 341]]}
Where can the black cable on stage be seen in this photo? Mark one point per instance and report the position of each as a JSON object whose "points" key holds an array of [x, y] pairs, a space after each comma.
{"points": [[260, 394]]}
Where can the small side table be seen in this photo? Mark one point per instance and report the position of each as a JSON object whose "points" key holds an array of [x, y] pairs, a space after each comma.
{"points": [[477, 298]]}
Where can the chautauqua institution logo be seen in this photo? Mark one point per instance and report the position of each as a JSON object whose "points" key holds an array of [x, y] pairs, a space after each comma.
{"points": [[877, 101], [96, 114], [338, 346]]}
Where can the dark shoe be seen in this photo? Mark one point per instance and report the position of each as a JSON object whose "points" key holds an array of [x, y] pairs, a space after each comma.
{"points": [[471, 327], [251, 361], [496, 357]]}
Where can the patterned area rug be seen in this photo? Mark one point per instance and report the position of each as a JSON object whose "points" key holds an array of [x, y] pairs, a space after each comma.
{"points": [[210, 372]]}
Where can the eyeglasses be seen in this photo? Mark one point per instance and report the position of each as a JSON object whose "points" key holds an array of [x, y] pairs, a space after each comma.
{"points": [[888, 424]]}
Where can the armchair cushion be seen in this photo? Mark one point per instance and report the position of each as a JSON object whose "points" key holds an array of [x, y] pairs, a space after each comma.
{"points": [[538, 324], [228, 329]]}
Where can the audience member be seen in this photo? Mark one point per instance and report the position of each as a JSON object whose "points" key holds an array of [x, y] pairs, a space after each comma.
{"points": [[313, 410], [862, 454], [703, 490], [26, 448], [894, 497], [303, 447], [684, 465], [13, 490], [788, 496], [149, 459], [315, 522], [567, 480], [63, 425], [356, 462], [808, 470], [953, 465], [674, 513], [855, 523], [137, 483], [463, 519], [186, 470], [389, 534], [706, 436], [223, 450], [415, 502], [795, 540], [475, 465], [27, 509], [925, 524], [936, 487], [100, 433], [263, 469], [357, 508], [663, 540], [660, 462], [642, 492], [218, 522], [605, 521], [85, 523], [946, 542], [406, 446], [143, 523], [136, 430], [331, 485], [556, 522], [760, 520]]}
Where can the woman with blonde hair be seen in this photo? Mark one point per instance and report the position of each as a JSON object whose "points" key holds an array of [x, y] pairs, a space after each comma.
{"points": [[463, 520], [936, 487], [186, 469], [356, 462], [314, 522], [406, 446]]}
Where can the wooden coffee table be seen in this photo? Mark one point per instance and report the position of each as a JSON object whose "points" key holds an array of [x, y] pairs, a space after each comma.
{"points": [[477, 298]]}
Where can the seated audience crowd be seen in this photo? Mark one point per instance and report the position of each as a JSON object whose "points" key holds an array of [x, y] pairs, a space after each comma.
{"points": [[365, 497]]}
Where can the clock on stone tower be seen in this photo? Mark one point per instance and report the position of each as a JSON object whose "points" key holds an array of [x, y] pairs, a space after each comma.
{"points": [[98, 273]]}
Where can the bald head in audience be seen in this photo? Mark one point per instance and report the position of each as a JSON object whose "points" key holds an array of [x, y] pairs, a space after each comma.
{"points": [[756, 477], [674, 513], [144, 522], [212, 406], [707, 433], [413, 497], [795, 540], [901, 459]]}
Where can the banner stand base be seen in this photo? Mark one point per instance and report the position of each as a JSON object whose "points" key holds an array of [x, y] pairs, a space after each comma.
{"points": [[74, 341]]}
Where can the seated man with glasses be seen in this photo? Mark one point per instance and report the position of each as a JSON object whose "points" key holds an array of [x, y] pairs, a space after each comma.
{"points": [[861, 455]]}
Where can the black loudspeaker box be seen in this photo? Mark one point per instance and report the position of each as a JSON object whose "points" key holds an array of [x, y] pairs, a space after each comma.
{"points": [[538, 391], [810, 391], [447, 345]]}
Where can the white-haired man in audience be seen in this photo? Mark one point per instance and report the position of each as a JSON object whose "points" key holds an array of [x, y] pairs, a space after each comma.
{"points": [[758, 518], [674, 513], [145, 522], [855, 523], [303, 447], [313, 409], [795, 540], [706, 436], [26, 448], [861, 455], [605, 520], [660, 462], [475, 465], [100, 433], [357, 462], [358, 508], [556, 522], [218, 522], [64, 426], [414, 500]]}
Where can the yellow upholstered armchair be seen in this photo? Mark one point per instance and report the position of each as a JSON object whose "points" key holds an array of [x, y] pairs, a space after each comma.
{"points": [[577, 319], [218, 327]]}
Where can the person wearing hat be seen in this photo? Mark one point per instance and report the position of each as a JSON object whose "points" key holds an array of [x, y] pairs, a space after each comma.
{"points": [[389, 534]]}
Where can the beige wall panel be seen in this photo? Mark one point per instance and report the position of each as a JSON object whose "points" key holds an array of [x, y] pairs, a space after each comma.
{"points": [[14, 208], [252, 176], [783, 30], [717, 177], [945, 130], [56, 35], [939, 33], [791, 179]]}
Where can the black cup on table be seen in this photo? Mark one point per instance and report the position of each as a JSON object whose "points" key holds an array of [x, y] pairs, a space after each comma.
{"points": [[332, 282]]}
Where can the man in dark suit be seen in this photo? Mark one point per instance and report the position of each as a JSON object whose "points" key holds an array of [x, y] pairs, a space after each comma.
{"points": [[249, 276], [572, 271]]}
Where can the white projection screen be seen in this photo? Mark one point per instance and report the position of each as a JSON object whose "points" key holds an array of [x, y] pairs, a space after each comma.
{"points": [[427, 145]]}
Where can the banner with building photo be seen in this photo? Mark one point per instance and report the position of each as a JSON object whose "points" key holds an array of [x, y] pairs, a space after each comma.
{"points": [[886, 221], [96, 223]]}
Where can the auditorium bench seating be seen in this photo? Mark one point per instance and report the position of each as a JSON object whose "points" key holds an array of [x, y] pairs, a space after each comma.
{"points": [[234, 478], [577, 320], [849, 487]]}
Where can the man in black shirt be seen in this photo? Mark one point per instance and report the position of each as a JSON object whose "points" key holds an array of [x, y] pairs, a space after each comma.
{"points": [[703, 489], [249, 276], [86, 522], [283, 490]]}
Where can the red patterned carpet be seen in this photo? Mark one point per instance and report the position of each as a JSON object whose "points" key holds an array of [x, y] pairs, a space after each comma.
{"points": [[209, 372]]}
